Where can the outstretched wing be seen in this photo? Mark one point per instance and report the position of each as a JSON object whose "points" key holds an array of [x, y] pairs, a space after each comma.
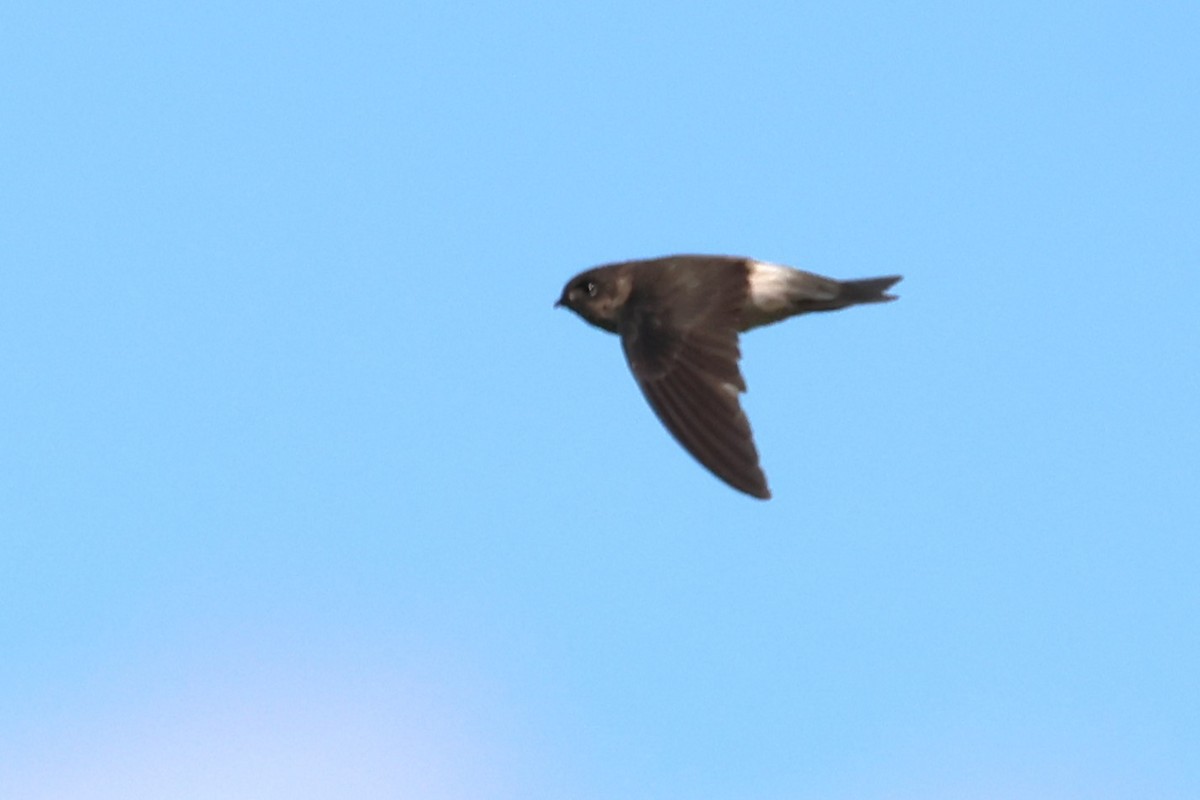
{"points": [[682, 346]]}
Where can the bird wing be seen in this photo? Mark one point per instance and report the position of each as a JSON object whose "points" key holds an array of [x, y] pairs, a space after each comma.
{"points": [[682, 347]]}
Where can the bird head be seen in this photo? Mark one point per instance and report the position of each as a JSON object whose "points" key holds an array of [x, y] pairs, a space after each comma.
{"points": [[596, 296]]}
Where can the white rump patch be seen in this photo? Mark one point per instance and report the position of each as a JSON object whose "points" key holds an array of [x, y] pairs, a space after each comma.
{"points": [[771, 289], [769, 285]]}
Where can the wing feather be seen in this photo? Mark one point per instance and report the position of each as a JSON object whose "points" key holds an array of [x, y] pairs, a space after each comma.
{"points": [[682, 347]]}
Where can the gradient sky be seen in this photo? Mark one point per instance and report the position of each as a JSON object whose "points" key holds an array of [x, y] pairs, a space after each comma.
{"points": [[308, 493]]}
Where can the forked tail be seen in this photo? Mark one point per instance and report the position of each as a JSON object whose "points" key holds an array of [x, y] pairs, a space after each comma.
{"points": [[869, 290]]}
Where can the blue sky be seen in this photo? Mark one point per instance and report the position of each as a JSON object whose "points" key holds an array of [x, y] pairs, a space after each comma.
{"points": [[308, 492]]}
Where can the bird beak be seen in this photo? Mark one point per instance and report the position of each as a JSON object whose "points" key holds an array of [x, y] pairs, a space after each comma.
{"points": [[558, 303]]}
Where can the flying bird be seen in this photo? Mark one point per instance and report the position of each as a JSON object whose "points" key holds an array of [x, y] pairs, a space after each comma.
{"points": [[679, 318]]}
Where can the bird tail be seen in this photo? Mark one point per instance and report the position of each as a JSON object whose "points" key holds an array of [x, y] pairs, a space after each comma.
{"points": [[778, 292], [817, 293], [869, 290]]}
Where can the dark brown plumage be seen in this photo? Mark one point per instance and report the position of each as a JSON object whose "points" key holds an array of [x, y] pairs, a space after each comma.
{"points": [[679, 318]]}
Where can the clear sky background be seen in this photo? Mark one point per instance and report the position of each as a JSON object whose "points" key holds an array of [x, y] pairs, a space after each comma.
{"points": [[307, 492]]}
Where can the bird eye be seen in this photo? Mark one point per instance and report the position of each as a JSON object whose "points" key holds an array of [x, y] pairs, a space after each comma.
{"points": [[590, 288]]}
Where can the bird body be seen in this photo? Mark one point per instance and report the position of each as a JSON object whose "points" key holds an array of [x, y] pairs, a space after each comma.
{"points": [[679, 318]]}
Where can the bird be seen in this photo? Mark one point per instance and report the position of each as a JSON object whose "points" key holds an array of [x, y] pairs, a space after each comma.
{"points": [[679, 318]]}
